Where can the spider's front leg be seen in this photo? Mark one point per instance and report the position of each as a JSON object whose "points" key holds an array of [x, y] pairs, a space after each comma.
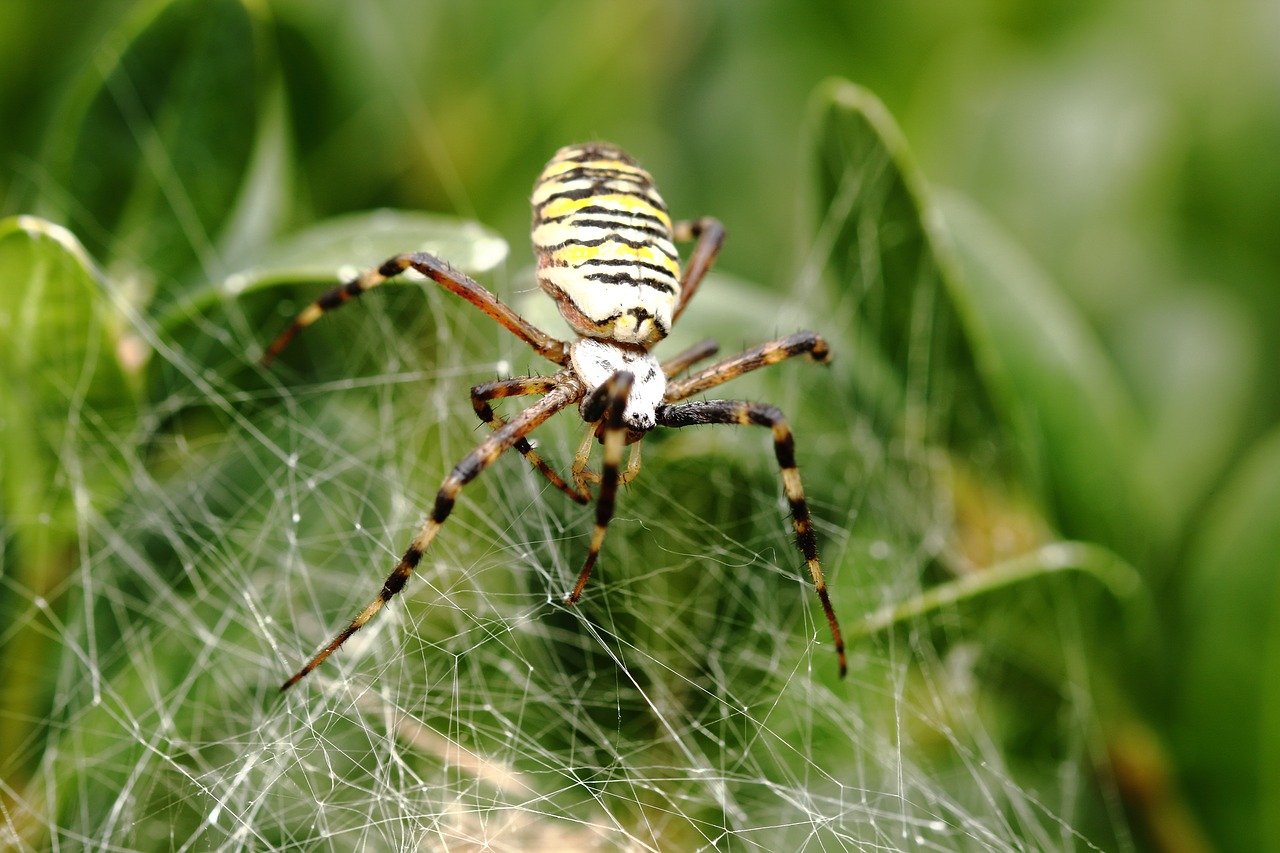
{"points": [[784, 446], [609, 401], [442, 274], [789, 346], [566, 391]]}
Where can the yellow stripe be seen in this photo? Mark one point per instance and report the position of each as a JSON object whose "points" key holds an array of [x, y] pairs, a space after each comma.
{"points": [[623, 203], [791, 483], [309, 315], [820, 585]]}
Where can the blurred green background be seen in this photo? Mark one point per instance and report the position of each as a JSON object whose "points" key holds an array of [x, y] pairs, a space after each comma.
{"points": [[1129, 147]]}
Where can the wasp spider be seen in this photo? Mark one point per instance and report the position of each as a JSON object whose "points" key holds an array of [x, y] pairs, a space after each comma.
{"points": [[606, 255]]}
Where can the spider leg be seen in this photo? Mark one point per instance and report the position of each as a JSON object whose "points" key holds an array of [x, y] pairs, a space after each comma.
{"points": [[757, 414], [633, 465], [753, 359], [480, 397], [684, 360], [444, 275], [710, 236], [563, 394], [583, 475], [609, 401]]}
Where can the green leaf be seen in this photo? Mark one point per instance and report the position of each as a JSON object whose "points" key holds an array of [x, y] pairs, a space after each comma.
{"points": [[982, 342], [340, 248], [159, 134], [346, 245], [264, 203], [1226, 720], [223, 325], [1192, 360], [68, 392], [67, 405], [880, 234], [1075, 423]]}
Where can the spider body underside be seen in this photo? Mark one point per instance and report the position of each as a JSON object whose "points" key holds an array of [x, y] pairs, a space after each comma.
{"points": [[606, 254]]}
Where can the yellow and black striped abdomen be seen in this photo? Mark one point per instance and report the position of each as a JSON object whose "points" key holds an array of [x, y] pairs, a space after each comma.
{"points": [[604, 245]]}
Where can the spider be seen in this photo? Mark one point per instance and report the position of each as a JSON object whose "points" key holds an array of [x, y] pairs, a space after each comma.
{"points": [[606, 255]]}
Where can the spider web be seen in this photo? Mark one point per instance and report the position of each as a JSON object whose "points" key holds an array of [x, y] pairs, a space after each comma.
{"points": [[689, 701]]}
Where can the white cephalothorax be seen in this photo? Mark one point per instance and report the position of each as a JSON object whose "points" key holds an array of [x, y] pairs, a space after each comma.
{"points": [[595, 361]]}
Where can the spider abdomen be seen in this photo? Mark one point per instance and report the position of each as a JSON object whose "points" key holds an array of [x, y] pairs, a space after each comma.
{"points": [[604, 244]]}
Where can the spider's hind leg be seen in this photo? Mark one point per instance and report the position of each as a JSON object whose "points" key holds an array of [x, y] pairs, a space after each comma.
{"points": [[442, 274], [470, 467], [784, 447], [710, 236]]}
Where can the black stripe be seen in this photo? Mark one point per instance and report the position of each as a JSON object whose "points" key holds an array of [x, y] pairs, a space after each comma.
{"points": [[579, 192], [340, 294], [587, 170], [592, 169], [469, 468], [800, 512], [608, 492], [602, 210], [444, 506], [393, 267], [332, 299], [593, 191], [397, 579], [626, 262], [612, 186], [588, 153], [394, 584], [688, 414], [765, 415], [645, 192], [786, 450], [660, 231], [808, 545], [624, 278], [611, 238]]}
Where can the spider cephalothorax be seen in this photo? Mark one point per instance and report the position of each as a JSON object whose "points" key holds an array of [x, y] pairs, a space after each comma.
{"points": [[606, 254]]}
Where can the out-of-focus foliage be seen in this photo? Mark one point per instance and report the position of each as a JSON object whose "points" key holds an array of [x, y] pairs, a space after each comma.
{"points": [[1127, 148]]}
